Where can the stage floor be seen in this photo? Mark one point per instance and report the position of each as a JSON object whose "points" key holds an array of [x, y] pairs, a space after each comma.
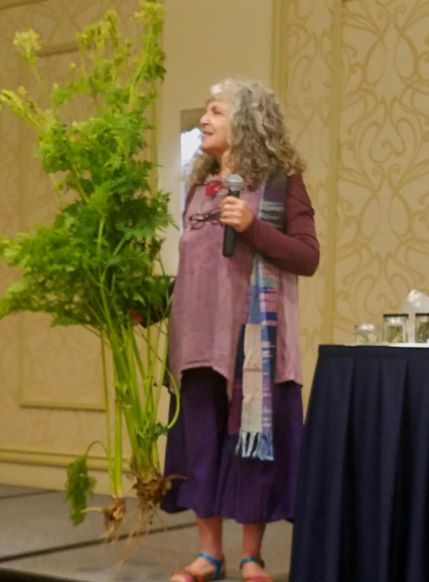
{"points": [[38, 542]]}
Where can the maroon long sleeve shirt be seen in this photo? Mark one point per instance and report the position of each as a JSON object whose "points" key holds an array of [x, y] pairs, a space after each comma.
{"points": [[297, 250]]}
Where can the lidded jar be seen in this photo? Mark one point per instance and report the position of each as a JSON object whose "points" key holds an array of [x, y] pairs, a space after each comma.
{"points": [[422, 327], [395, 328], [365, 333]]}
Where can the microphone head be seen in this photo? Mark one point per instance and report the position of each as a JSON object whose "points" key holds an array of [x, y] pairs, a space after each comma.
{"points": [[234, 183]]}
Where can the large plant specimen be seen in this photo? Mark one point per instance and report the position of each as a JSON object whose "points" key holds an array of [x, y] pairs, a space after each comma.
{"points": [[99, 260]]}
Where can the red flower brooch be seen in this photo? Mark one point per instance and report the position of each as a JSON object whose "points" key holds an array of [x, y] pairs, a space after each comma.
{"points": [[213, 187]]}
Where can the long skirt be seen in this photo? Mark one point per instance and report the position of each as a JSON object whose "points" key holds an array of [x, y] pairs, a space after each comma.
{"points": [[217, 481]]}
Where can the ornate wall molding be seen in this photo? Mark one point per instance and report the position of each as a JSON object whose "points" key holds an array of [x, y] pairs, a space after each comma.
{"points": [[42, 384], [48, 459], [47, 404], [44, 470], [4, 4], [59, 49]]}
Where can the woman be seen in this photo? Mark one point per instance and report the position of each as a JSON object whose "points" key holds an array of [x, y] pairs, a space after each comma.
{"points": [[238, 438]]}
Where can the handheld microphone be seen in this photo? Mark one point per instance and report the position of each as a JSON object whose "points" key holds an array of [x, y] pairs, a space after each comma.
{"points": [[234, 183]]}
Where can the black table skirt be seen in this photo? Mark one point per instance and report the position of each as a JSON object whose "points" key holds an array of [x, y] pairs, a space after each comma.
{"points": [[363, 500]]}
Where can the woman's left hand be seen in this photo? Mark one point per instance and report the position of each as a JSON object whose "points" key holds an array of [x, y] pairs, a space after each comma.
{"points": [[236, 213]]}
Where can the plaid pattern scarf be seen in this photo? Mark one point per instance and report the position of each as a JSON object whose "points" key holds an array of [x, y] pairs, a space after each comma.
{"points": [[256, 378]]}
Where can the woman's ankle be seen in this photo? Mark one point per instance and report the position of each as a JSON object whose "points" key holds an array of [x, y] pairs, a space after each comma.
{"points": [[214, 552], [252, 539], [210, 536]]}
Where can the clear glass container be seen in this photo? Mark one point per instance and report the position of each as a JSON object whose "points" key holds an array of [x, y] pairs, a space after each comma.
{"points": [[422, 328], [395, 328], [366, 333]]}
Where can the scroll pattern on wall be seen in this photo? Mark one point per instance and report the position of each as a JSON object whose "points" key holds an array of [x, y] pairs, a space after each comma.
{"points": [[383, 221], [361, 122]]}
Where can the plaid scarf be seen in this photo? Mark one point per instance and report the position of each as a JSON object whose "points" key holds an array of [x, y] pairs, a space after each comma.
{"points": [[256, 377]]}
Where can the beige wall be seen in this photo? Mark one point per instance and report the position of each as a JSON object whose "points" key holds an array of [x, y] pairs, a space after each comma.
{"points": [[205, 41], [50, 385]]}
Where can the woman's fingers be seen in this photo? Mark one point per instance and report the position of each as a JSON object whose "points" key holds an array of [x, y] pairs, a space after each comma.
{"points": [[236, 213]]}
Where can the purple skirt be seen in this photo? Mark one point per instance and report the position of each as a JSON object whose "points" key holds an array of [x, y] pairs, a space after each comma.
{"points": [[218, 482]]}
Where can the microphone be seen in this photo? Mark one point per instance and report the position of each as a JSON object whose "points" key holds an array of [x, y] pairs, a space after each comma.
{"points": [[234, 183]]}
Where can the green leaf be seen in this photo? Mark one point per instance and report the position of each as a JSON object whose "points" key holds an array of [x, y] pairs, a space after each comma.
{"points": [[79, 487]]}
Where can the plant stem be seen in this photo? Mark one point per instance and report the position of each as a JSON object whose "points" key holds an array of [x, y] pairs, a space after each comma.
{"points": [[107, 415], [117, 459]]}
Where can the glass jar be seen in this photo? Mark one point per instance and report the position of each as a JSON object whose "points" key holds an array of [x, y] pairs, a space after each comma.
{"points": [[422, 328], [365, 333], [395, 328]]}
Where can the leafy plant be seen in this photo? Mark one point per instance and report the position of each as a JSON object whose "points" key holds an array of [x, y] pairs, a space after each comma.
{"points": [[80, 487], [99, 260]]}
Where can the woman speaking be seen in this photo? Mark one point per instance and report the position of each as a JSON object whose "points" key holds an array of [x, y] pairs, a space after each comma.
{"points": [[234, 337]]}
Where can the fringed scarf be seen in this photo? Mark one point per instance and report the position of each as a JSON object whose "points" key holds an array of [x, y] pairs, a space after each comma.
{"points": [[256, 379]]}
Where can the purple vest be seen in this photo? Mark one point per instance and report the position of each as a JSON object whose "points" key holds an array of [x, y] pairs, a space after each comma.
{"points": [[210, 299]]}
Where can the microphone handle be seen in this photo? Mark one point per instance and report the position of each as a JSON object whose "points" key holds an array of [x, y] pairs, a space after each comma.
{"points": [[229, 233], [228, 241]]}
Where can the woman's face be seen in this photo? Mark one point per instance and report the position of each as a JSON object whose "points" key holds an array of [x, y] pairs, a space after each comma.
{"points": [[215, 125]]}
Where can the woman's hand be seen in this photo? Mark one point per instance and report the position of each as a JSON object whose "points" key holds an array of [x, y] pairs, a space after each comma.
{"points": [[236, 213], [136, 317]]}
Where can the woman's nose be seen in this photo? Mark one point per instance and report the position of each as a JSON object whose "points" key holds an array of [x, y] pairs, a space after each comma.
{"points": [[204, 119]]}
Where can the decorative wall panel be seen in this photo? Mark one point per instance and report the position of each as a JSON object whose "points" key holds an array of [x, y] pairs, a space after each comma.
{"points": [[353, 77], [382, 234], [303, 77], [59, 367]]}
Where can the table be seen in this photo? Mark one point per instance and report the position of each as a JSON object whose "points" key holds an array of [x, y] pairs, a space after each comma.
{"points": [[363, 499]]}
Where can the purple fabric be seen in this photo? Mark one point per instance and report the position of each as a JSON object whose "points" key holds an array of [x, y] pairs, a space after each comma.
{"points": [[218, 481], [210, 293], [213, 289]]}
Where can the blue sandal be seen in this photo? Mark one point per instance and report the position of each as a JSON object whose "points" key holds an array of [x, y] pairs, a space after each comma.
{"points": [[217, 574], [257, 577]]}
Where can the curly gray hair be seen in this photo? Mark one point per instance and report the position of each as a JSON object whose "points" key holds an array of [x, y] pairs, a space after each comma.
{"points": [[259, 141]]}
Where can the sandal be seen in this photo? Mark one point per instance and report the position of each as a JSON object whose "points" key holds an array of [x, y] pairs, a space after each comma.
{"points": [[256, 577], [217, 574]]}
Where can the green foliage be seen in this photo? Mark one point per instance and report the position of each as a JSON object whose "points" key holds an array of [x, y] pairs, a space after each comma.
{"points": [[79, 487], [108, 235], [100, 257], [28, 45]]}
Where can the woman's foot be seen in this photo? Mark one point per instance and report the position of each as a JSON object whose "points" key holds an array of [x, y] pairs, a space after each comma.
{"points": [[252, 570], [205, 567]]}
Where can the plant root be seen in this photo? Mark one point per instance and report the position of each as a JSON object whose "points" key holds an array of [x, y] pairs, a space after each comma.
{"points": [[152, 490], [150, 493], [114, 514]]}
